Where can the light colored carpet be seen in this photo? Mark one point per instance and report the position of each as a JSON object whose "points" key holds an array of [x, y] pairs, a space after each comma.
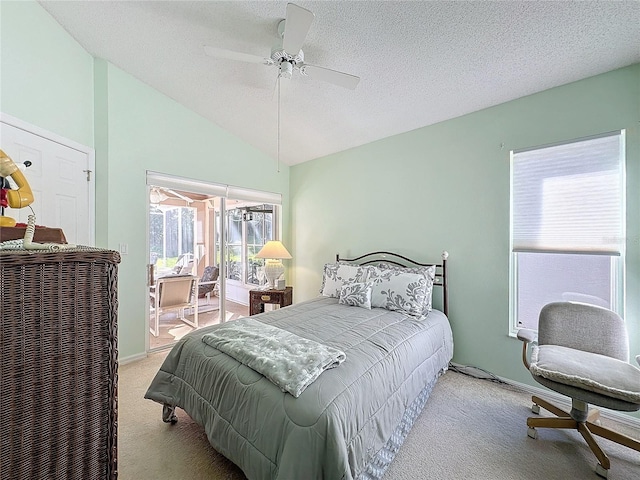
{"points": [[470, 429]]}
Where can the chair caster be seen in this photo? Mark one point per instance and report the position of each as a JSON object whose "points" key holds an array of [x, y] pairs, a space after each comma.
{"points": [[535, 408], [532, 432], [169, 415], [601, 471]]}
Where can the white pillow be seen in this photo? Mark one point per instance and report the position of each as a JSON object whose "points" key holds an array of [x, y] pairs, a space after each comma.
{"points": [[404, 290], [356, 295], [335, 275]]}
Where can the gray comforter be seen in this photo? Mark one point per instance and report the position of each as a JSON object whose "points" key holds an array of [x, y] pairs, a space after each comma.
{"points": [[339, 424], [288, 360]]}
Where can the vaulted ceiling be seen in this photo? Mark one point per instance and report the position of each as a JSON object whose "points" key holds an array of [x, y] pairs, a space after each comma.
{"points": [[419, 62]]}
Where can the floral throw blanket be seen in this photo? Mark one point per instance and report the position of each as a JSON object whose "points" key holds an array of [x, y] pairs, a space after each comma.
{"points": [[287, 360]]}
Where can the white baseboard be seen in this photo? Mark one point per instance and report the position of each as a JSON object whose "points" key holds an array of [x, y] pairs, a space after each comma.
{"points": [[131, 358], [565, 402]]}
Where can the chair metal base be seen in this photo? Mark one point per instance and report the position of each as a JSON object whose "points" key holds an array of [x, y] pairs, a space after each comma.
{"points": [[585, 422]]}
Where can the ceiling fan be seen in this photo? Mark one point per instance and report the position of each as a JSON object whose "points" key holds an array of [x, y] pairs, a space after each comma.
{"points": [[159, 194], [287, 53]]}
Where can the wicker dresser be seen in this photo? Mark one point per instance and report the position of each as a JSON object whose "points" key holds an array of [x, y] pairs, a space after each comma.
{"points": [[58, 364]]}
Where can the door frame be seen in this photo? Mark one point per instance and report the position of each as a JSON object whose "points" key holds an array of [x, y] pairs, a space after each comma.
{"points": [[54, 137], [224, 192], [184, 184]]}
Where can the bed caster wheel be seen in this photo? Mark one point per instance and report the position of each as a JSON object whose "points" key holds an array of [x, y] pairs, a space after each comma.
{"points": [[601, 471], [169, 414], [532, 433], [535, 408]]}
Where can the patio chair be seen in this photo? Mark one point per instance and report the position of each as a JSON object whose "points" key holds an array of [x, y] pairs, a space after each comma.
{"points": [[208, 284], [175, 292], [184, 265]]}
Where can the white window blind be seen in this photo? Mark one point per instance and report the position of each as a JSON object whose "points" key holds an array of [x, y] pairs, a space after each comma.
{"points": [[568, 198]]}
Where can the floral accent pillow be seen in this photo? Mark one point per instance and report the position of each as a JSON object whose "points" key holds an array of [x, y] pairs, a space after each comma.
{"points": [[401, 290], [428, 271], [356, 295], [335, 275]]}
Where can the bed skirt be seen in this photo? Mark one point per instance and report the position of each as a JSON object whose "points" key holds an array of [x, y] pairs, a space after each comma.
{"points": [[381, 461]]}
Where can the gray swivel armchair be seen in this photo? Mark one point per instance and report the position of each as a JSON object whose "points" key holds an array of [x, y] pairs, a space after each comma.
{"points": [[582, 352]]}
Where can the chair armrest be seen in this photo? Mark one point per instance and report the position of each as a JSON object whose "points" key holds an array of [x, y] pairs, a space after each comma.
{"points": [[526, 335]]}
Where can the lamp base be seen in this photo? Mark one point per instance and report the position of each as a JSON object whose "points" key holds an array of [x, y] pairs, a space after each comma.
{"points": [[272, 270]]}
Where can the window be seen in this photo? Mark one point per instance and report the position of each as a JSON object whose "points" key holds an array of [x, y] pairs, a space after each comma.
{"points": [[259, 224], [567, 226], [248, 229]]}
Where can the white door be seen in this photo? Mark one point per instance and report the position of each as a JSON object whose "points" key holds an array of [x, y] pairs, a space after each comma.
{"points": [[60, 179]]}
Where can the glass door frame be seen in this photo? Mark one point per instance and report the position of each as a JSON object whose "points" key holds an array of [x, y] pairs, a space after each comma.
{"points": [[223, 193]]}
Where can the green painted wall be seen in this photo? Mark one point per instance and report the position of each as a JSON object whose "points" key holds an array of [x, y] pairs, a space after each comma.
{"points": [[446, 187], [146, 130], [46, 77]]}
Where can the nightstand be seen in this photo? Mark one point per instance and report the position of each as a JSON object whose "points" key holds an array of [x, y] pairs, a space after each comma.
{"points": [[257, 299]]}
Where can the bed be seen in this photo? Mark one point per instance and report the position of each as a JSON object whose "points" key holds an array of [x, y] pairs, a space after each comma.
{"points": [[350, 421]]}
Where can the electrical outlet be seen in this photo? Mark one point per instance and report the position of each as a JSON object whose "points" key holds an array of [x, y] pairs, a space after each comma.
{"points": [[123, 248]]}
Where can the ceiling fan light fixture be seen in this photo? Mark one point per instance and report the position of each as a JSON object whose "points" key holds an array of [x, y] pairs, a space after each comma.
{"points": [[278, 55], [286, 69]]}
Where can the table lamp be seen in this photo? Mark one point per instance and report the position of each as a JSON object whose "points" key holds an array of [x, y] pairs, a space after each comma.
{"points": [[273, 252]]}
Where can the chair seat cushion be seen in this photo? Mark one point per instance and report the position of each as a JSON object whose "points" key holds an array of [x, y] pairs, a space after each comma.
{"points": [[589, 371]]}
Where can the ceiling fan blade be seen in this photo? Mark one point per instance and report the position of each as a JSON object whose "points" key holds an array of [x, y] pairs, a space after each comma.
{"points": [[179, 195], [296, 27], [240, 56], [332, 76]]}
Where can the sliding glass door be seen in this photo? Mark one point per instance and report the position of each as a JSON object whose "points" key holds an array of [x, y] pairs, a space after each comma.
{"points": [[212, 232]]}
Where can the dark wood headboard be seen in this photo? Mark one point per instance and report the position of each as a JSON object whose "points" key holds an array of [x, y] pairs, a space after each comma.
{"points": [[375, 258]]}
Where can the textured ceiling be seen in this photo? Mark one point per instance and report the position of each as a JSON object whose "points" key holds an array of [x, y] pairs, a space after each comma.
{"points": [[420, 62]]}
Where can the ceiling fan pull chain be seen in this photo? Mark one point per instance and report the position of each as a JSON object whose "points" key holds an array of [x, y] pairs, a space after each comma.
{"points": [[278, 140]]}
